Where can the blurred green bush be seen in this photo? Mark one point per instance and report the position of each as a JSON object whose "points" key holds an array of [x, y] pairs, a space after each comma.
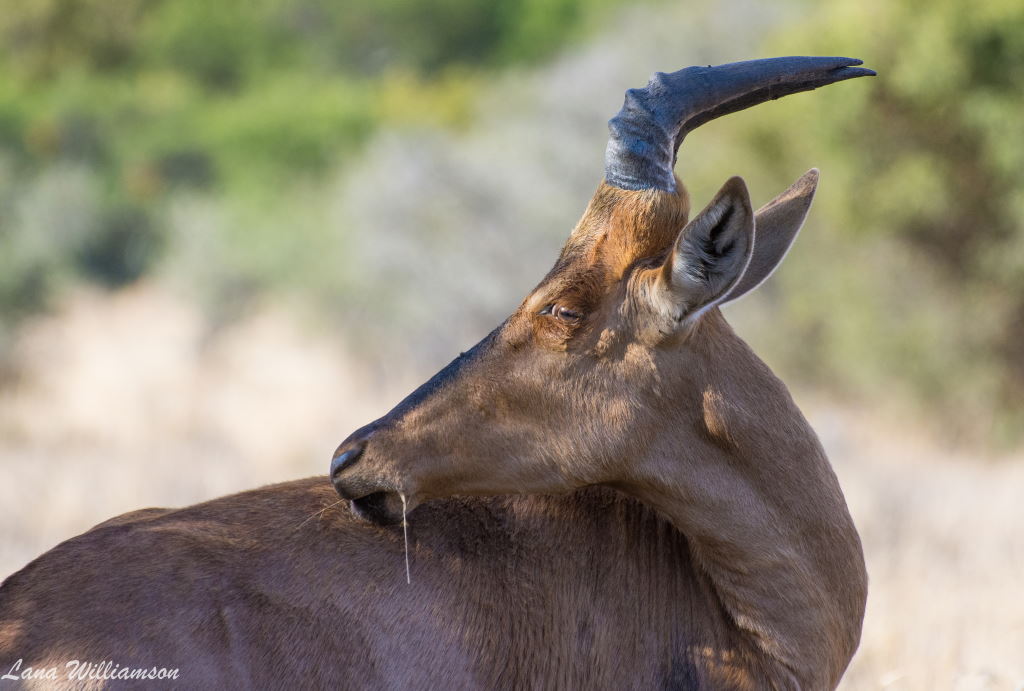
{"points": [[139, 99], [924, 203]]}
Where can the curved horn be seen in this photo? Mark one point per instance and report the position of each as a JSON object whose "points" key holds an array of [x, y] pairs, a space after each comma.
{"points": [[647, 132]]}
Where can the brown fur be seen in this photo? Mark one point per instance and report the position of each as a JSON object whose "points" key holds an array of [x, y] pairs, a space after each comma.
{"points": [[590, 590], [722, 556]]}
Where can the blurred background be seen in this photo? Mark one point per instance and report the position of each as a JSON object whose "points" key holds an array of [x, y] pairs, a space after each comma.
{"points": [[231, 232]]}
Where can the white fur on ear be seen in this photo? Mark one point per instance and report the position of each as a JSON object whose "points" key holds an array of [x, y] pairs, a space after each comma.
{"points": [[776, 225], [710, 254]]}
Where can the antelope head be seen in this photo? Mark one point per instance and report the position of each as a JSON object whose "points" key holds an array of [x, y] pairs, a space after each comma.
{"points": [[618, 367]]}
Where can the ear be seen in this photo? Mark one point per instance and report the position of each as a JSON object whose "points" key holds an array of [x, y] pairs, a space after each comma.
{"points": [[709, 256], [776, 225]]}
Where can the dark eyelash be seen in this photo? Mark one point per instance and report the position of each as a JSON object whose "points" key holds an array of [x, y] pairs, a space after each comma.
{"points": [[568, 314], [560, 312]]}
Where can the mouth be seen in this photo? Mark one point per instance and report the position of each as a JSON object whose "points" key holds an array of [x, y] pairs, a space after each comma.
{"points": [[379, 508]]}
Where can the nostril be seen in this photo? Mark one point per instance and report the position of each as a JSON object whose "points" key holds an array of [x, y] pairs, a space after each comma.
{"points": [[345, 459]]}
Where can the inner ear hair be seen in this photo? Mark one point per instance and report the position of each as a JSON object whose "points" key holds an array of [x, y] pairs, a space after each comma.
{"points": [[699, 254], [712, 251]]}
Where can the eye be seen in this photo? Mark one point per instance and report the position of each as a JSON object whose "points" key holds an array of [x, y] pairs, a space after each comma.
{"points": [[567, 315], [562, 313]]}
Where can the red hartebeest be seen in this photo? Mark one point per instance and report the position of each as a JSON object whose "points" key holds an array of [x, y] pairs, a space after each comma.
{"points": [[623, 495]]}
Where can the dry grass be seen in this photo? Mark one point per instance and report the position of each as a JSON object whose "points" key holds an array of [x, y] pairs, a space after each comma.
{"points": [[128, 401], [945, 554]]}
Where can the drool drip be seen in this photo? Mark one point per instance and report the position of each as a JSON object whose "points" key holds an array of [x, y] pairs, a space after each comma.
{"points": [[405, 535]]}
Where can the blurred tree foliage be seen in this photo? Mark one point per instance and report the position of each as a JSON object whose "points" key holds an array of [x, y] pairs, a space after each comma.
{"points": [[923, 199], [238, 98]]}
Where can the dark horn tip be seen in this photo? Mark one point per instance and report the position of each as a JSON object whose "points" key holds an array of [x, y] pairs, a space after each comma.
{"points": [[852, 73], [848, 67]]}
